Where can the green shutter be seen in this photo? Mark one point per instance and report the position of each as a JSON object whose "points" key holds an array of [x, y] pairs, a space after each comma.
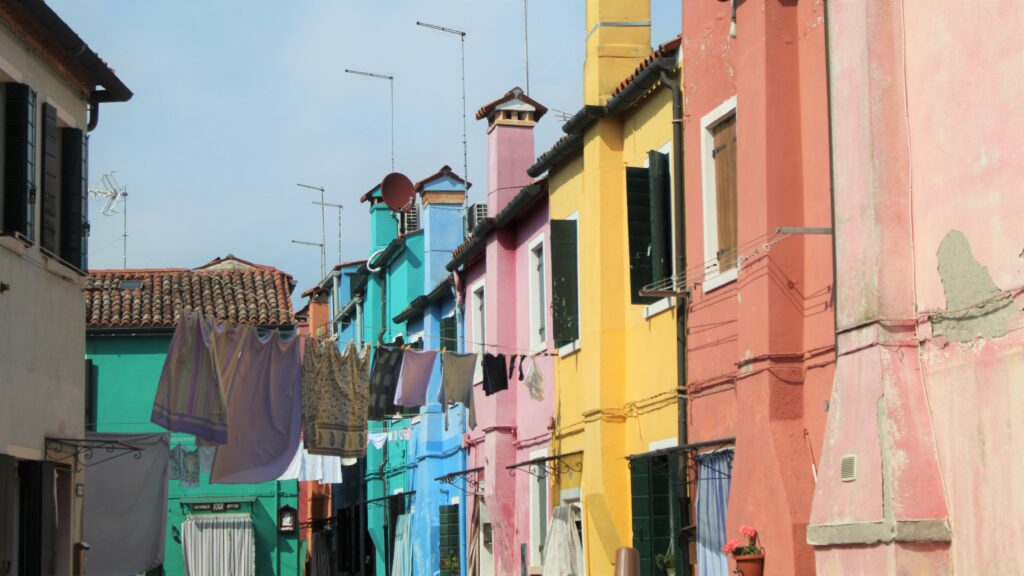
{"points": [[49, 209], [74, 198], [564, 281], [8, 512], [652, 510], [638, 214], [450, 543], [19, 160], [640, 476], [661, 214]]}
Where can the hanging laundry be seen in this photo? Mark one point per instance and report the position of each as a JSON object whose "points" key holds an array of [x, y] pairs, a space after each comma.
{"points": [[190, 395], [206, 454], [320, 364], [563, 552], [534, 380], [264, 408], [401, 564], [377, 439], [313, 467], [414, 378], [512, 365], [340, 428], [387, 365], [189, 474], [457, 372], [495, 374], [174, 463]]}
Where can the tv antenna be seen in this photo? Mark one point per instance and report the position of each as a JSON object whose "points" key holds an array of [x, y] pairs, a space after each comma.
{"points": [[114, 193], [323, 239], [339, 207]]}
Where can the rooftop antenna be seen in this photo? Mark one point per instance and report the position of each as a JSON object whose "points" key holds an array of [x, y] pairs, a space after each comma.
{"points": [[391, 85], [323, 238], [526, 41], [565, 116], [114, 192], [339, 207]]}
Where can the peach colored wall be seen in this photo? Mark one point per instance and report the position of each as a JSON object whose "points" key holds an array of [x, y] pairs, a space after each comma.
{"points": [[928, 162], [761, 347]]}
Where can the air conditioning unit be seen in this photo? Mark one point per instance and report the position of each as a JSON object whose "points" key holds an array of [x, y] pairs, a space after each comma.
{"points": [[475, 214], [409, 221]]}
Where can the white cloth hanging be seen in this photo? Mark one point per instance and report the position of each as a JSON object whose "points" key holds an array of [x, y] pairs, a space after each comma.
{"points": [[534, 380], [306, 467], [401, 565], [219, 544], [563, 552]]}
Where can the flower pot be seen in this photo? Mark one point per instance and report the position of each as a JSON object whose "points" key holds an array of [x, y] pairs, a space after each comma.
{"points": [[670, 571], [752, 565]]}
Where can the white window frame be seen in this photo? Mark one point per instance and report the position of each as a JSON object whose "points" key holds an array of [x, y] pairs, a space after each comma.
{"points": [[537, 286], [712, 278], [478, 296], [537, 516]]}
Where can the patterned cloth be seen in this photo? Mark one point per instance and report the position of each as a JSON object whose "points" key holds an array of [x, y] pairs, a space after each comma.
{"points": [[320, 363], [340, 428], [174, 464], [387, 364], [189, 469]]}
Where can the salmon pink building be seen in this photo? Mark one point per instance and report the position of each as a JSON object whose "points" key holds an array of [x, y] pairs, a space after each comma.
{"points": [[760, 354], [502, 271], [923, 456]]}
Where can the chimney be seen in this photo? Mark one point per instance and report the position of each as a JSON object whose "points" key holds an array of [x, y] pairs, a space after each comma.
{"points": [[618, 37], [383, 224], [319, 312], [442, 195], [510, 122]]}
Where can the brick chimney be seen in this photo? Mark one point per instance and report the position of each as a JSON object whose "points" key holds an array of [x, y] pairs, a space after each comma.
{"points": [[510, 122], [618, 37]]}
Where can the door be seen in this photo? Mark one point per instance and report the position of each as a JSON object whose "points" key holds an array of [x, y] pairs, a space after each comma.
{"points": [[486, 541]]}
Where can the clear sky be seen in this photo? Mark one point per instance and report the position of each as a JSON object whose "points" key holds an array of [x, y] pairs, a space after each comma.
{"points": [[236, 101]]}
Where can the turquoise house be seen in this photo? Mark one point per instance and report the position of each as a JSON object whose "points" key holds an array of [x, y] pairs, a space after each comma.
{"points": [[130, 320]]}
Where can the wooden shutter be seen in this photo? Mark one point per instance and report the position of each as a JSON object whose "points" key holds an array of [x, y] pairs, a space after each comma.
{"points": [[725, 188], [638, 213], [74, 198], [661, 215], [449, 334], [564, 281], [8, 492], [19, 160], [450, 541], [49, 229], [652, 510], [48, 519]]}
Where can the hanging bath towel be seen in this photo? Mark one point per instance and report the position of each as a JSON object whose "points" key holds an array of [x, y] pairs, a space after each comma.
{"points": [[320, 364], [414, 378], [563, 553], [387, 363], [457, 383]]}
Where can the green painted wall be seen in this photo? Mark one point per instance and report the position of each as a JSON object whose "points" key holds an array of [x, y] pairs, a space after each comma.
{"points": [[126, 371]]}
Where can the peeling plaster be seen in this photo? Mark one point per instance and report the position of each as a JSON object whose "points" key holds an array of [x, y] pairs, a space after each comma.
{"points": [[975, 306]]}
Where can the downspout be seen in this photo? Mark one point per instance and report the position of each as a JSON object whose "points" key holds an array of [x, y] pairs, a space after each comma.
{"points": [[682, 304], [831, 177], [94, 114]]}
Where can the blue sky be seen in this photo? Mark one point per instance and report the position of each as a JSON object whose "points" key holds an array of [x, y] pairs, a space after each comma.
{"points": [[236, 101]]}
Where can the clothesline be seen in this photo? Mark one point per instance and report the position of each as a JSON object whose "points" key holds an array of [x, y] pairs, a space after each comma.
{"points": [[425, 336]]}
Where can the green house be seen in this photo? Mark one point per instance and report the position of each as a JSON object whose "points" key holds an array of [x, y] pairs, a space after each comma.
{"points": [[130, 320]]}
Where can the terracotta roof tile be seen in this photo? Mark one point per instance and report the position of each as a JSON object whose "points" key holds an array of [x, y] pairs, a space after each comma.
{"points": [[666, 49], [258, 295], [513, 94]]}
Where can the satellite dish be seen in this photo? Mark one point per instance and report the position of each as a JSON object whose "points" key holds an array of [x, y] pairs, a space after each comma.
{"points": [[398, 191]]}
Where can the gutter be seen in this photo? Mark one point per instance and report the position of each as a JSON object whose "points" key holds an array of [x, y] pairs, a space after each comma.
{"points": [[644, 81], [478, 239], [582, 119], [564, 148]]}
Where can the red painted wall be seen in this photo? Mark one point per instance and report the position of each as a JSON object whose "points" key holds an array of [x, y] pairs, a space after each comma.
{"points": [[760, 348]]}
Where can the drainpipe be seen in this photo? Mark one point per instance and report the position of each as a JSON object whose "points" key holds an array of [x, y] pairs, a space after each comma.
{"points": [[682, 302], [94, 114]]}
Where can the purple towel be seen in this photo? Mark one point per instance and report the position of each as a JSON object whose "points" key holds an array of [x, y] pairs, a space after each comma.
{"points": [[414, 378]]}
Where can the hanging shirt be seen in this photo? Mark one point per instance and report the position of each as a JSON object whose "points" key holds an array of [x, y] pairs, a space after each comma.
{"points": [[189, 471], [340, 428], [377, 439], [387, 365], [457, 372], [190, 395], [264, 408], [534, 379], [414, 378], [495, 374]]}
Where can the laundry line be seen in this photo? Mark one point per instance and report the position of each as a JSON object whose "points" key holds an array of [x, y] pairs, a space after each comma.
{"points": [[424, 336]]}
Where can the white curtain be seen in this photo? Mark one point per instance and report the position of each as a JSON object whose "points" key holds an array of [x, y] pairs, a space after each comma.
{"points": [[219, 544], [714, 474], [563, 551], [401, 564]]}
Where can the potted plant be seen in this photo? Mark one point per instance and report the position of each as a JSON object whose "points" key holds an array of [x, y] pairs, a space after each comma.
{"points": [[749, 558], [666, 562]]}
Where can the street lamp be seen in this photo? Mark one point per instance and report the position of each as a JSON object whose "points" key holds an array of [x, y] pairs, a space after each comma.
{"points": [[391, 84]]}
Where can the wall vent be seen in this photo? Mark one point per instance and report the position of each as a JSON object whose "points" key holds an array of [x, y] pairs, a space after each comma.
{"points": [[476, 214], [410, 220], [848, 468]]}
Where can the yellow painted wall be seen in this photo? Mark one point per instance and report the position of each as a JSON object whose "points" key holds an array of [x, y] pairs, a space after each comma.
{"points": [[616, 395]]}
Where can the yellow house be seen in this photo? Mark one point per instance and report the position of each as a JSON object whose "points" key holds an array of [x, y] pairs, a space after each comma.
{"points": [[611, 182]]}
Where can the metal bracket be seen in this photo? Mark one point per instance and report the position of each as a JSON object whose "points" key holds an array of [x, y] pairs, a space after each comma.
{"points": [[85, 451]]}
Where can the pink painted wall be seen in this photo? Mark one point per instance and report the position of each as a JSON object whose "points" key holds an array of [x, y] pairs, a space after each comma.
{"points": [[928, 141], [761, 348], [509, 424]]}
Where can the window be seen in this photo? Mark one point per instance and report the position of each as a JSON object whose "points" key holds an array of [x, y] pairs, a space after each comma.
{"points": [[19, 161], [565, 282], [719, 179], [538, 297], [450, 549], [538, 510], [649, 212], [652, 499], [449, 333], [479, 327]]}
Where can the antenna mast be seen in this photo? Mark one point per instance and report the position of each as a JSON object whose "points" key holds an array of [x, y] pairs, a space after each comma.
{"points": [[114, 192], [339, 207]]}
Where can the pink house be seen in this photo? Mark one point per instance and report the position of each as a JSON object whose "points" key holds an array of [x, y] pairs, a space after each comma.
{"points": [[923, 455], [505, 282]]}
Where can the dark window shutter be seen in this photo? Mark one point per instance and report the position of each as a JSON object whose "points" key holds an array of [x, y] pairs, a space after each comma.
{"points": [[638, 213], [450, 541], [8, 487], [564, 281], [50, 194], [90, 396], [661, 214], [449, 334], [19, 160], [48, 519], [74, 197], [652, 509], [640, 477]]}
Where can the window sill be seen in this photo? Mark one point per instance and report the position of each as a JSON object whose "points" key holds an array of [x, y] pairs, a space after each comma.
{"points": [[569, 349], [15, 243], [57, 266], [721, 279], [652, 310]]}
